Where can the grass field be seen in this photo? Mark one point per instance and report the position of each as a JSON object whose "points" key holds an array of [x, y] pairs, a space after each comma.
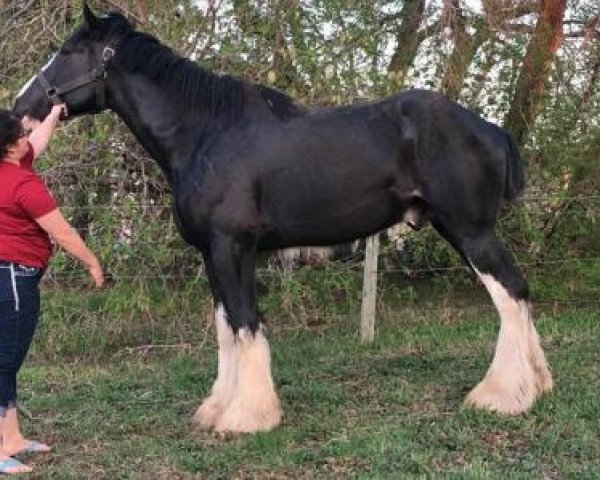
{"points": [[113, 385]]}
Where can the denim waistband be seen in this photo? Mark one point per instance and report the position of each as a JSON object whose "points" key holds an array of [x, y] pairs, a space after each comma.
{"points": [[18, 266]]}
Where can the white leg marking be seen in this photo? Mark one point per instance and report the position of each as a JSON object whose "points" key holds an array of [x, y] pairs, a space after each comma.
{"points": [[222, 389], [539, 363], [518, 373], [254, 406]]}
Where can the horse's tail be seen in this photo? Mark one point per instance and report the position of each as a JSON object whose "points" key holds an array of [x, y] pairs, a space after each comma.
{"points": [[514, 182]]}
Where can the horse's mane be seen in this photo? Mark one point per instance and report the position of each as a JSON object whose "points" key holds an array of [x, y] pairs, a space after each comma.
{"points": [[190, 86], [282, 105]]}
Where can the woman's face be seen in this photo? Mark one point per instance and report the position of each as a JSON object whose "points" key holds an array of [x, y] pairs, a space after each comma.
{"points": [[18, 149]]}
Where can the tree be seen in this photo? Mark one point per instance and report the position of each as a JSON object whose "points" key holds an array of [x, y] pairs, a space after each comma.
{"points": [[591, 46], [529, 91], [407, 43], [142, 10], [465, 47]]}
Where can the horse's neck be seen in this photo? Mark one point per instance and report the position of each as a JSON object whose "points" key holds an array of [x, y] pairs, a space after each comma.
{"points": [[156, 123]]}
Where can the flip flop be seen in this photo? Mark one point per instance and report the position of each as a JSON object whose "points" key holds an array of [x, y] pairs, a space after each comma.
{"points": [[33, 447], [9, 463]]}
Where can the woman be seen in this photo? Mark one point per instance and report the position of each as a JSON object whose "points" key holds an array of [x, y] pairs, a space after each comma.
{"points": [[29, 218]]}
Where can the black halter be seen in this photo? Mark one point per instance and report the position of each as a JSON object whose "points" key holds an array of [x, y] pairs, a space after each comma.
{"points": [[96, 76]]}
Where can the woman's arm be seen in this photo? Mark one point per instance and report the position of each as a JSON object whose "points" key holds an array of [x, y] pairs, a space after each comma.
{"points": [[41, 134], [67, 237]]}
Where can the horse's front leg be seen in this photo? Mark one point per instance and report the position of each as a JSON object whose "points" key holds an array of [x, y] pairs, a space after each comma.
{"points": [[222, 390], [243, 398]]}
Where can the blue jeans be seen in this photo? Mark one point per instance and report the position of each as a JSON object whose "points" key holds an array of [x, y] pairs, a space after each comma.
{"points": [[19, 313]]}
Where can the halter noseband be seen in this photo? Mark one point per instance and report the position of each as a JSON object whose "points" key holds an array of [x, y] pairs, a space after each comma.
{"points": [[96, 76]]}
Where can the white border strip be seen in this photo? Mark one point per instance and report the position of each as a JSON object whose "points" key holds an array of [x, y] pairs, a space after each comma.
{"points": [[14, 286]]}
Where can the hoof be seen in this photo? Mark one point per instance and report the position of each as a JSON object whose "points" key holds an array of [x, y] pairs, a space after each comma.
{"points": [[254, 405], [491, 395], [543, 376], [245, 420], [544, 380], [537, 359], [207, 414]]}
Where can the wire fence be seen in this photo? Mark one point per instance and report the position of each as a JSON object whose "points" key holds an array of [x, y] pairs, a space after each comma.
{"points": [[522, 199], [151, 271], [128, 208], [346, 268]]}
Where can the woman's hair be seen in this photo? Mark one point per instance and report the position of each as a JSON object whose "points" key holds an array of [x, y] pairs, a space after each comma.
{"points": [[10, 130]]}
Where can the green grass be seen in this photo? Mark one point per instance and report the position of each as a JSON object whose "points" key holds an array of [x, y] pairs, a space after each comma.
{"points": [[114, 386]]}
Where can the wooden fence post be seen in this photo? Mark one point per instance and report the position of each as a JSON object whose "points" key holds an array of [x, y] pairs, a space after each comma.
{"points": [[369, 295]]}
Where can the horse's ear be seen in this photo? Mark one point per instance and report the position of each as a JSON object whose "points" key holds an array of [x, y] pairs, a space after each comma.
{"points": [[89, 19]]}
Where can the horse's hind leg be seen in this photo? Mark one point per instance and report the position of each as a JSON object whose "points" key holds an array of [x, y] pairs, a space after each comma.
{"points": [[519, 372]]}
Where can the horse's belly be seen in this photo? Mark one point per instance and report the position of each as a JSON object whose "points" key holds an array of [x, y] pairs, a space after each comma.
{"points": [[331, 221]]}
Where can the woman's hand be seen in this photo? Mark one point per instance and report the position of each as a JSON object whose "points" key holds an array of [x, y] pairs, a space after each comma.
{"points": [[59, 111], [95, 271], [67, 237], [40, 136]]}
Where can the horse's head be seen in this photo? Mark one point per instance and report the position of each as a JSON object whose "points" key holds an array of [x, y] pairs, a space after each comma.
{"points": [[76, 73]]}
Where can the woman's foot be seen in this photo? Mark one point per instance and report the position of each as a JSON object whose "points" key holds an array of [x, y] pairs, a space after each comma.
{"points": [[10, 466], [24, 445]]}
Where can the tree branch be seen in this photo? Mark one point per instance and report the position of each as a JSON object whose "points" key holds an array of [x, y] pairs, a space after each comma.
{"points": [[126, 12]]}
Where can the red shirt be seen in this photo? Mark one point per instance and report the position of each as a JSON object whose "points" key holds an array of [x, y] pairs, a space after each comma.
{"points": [[23, 198]]}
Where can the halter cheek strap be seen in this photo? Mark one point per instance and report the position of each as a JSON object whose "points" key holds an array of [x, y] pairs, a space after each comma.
{"points": [[96, 76]]}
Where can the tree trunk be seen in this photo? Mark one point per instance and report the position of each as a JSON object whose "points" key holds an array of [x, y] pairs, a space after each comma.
{"points": [[141, 10], [465, 48], [283, 64], [270, 27], [529, 91], [407, 43], [590, 85], [590, 48]]}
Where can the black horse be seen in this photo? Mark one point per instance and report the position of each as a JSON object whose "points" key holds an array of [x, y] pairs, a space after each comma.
{"points": [[251, 170]]}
